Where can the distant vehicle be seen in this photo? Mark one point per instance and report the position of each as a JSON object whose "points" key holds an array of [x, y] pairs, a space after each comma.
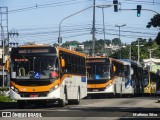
{"points": [[109, 77], [98, 75], [150, 85], [137, 78], [42, 73], [127, 79]]}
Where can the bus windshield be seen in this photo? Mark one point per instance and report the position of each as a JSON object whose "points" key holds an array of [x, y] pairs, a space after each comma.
{"points": [[98, 71], [34, 67]]}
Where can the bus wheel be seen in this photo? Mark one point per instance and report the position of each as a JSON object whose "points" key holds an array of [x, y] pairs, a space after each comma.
{"points": [[21, 103], [62, 102], [77, 101]]}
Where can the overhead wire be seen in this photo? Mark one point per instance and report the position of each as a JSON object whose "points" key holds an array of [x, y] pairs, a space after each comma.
{"points": [[45, 6]]}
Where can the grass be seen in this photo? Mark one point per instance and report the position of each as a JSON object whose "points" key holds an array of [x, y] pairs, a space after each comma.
{"points": [[5, 98]]}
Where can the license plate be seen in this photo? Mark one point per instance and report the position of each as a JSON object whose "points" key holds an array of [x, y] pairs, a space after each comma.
{"points": [[33, 95], [95, 90]]}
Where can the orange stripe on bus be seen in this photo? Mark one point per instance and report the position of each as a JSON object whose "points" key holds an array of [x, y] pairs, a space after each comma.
{"points": [[40, 88], [101, 85], [35, 88]]}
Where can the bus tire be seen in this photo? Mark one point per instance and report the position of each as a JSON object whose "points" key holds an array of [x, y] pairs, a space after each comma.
{"points": [[62, 102], [77, 101], [21, 103]]}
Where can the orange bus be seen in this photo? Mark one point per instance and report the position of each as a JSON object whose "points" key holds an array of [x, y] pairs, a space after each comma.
{"points": [[42, 73]]}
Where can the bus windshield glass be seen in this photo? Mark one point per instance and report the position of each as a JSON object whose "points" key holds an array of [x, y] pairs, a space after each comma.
{"points": [[126, 71], [34, 67], [98, 71]]}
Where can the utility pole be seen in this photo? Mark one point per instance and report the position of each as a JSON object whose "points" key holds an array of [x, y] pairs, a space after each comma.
{"points": [[138, 50], [4, 38], [3, 56], [13, 34], [93, 29]]}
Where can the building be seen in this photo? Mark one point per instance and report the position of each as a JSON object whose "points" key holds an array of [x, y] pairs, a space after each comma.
{"points": [[152, 64], [6, 72]]}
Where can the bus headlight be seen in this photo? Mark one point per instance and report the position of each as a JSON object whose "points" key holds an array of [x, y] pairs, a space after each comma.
{"points": [[14, 89], [109, 85], [53, 88]]}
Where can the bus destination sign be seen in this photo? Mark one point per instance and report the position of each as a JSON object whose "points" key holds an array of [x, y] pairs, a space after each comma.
{"points": [[95, 60], [34, 51]]}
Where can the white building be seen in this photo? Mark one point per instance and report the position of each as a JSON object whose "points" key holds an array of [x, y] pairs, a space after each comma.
{"points": [[154, 64]]}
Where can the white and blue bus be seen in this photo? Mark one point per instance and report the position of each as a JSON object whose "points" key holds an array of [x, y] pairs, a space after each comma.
{"points": [[127, 80]]}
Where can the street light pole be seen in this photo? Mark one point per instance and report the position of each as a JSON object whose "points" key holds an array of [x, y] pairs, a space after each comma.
{"points": [[104, 33], [60, 38], [93, 30], [119, 26], [60, 24]]}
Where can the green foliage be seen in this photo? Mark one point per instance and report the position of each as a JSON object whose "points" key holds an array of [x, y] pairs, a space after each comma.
{"points": [[158, 39], [144, 50], [5, 98], [116, 41], [125, 51], [4, 89], [68, 43], [155, 21]]}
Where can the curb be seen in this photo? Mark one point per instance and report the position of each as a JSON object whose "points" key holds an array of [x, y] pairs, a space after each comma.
{"points": [[7, 105]]}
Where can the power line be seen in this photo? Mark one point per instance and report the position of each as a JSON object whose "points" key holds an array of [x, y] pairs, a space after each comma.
{"points": [[149, 2], [45, 6]]}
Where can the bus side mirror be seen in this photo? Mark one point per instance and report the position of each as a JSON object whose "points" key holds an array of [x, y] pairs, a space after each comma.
{"points": [[114, 68], [62, 63], [131, 71]]}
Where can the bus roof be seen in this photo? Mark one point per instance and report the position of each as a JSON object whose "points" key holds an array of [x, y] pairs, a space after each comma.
{"points": [[125, 61], [116, 60], [70, 51]]}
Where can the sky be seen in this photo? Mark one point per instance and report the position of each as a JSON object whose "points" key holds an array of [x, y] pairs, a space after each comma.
{"points": [[38, 20]]}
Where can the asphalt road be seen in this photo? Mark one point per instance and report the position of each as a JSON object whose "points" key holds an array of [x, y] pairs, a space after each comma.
{"points": [[104, 108]]}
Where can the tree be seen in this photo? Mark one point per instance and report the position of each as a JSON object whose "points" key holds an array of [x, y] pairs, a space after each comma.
{"points": [[158, 39], [155, 21], [116, 41], [68, 43], [150, 42]]}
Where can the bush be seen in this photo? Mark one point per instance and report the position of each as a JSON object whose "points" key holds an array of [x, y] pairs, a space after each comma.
{"points": [[4, 89], [4, 95], [5, 98]]}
